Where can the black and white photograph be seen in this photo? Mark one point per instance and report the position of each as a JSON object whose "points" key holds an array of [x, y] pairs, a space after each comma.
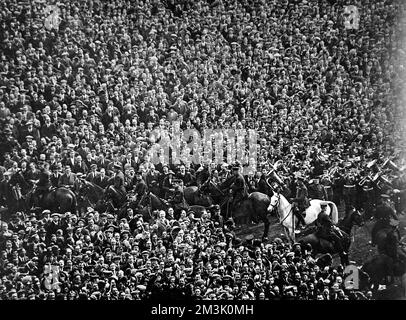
{"points": [[202, 151]]}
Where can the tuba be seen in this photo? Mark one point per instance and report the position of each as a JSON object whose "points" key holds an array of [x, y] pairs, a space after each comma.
{"points": [[276, 177]]}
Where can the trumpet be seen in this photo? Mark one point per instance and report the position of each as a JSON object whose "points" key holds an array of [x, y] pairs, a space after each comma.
{"points": [[379, 178], [390, 164]]}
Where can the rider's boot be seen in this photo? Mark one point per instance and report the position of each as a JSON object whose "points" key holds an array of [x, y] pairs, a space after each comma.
{"points": [[301, 223]]}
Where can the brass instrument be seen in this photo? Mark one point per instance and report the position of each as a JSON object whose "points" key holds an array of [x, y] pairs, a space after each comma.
{"points": [[371, 164], [364, 180], [390, 164], [376, 177]]}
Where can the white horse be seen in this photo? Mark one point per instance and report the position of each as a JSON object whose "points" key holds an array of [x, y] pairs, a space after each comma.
{"points": [[287, 218]]}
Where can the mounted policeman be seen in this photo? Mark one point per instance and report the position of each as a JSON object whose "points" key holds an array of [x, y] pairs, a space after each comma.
{"points": [[236, 186], [327, 230], [43, 184]]}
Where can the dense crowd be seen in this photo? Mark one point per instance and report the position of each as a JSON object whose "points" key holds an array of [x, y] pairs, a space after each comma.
{"points": [[87, 95]]}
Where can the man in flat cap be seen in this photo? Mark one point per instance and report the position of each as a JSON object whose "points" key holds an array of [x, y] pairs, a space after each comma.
{"points": [[118, 178]]}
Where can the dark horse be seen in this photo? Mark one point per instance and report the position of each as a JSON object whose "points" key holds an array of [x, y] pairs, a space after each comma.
{"points": [[382, 269], [22, 197], [147, 204], [386, 235], [195, 196], [208, 194], [205, 195], [115, 200], [254, 209], [60, 200], [321, 245], [91, 195]]}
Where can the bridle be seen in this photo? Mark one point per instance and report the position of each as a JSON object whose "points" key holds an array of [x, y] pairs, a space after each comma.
{"points": [[276, 206]]}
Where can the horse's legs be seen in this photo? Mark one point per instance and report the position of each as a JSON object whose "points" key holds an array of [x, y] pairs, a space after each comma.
{"points": [[287, 234]]}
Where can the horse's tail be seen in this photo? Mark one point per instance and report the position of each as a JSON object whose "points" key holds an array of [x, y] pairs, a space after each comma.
{"points": [[334, 212]]}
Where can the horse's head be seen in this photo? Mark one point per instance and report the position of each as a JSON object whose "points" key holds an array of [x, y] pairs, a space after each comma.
{"points": [[274, 204]]}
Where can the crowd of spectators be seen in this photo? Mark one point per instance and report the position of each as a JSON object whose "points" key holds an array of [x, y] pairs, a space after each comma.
{"points": [[97, 85]]}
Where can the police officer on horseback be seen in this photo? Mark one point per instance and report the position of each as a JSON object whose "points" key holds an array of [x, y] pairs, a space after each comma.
{"points": [[119, 179], [300, 202], [326, 228], [44, 182], [178, 198], [384, 214], [140, 188], [236, 186]]}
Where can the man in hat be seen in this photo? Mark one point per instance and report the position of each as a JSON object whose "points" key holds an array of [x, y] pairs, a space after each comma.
{"points": [[43, 184], [56, 173], [31, 131], [216, 215], [91, 176], [140, 188], [300, 202], [237, 187], [68, 178], [119, 179], [185, 176], [383, 215], [101, 179], [316, 190], [168, 185], [326, 229]]}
